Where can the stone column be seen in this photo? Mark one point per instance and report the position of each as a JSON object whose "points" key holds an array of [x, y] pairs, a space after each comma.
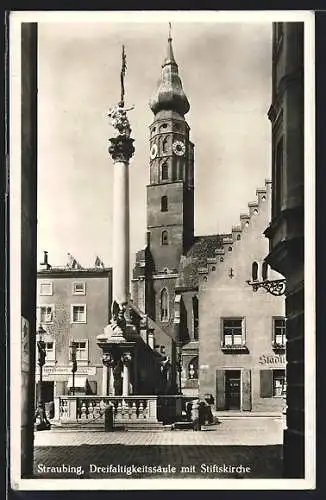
{"points": [[104, 380], [108, 362], [126, 359], [121, 150]]}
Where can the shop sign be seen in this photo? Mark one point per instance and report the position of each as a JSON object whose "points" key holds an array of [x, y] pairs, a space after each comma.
{"points": [[272, 360], [66, 370]]}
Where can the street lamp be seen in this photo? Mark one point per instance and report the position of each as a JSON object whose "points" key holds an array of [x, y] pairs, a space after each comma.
{"points": [[40, 415], [74, 365]]}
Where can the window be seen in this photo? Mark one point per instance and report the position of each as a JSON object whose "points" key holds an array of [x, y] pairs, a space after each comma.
{"points": [[165, 145], [79, 288], [165, 172], [46, 288], [164, 204], [279, 332], [165, 238], [50, 351], [46, 314], [233, 332], [254, 271], [81, 347], [164, 305], [78, 313], [174, 171], [278, 196], [195, 317], [193, 368], [278, 383]]}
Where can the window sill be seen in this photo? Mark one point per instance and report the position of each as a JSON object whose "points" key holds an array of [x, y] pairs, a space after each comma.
{"points": [[235, 349]]}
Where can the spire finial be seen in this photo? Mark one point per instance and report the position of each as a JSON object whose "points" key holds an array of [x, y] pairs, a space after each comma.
{"points": [[170, 29]]}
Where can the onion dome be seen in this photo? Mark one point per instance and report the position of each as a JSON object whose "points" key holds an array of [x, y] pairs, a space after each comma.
{"points": [[169, 94]]}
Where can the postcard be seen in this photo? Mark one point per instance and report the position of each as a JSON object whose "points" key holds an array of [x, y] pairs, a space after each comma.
{"points": [[161, 250]]}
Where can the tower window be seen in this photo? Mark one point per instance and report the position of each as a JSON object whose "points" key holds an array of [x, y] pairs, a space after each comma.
{"points": [[165, 145], [165, 238], [164, 305], [164, 204], [165, 172], [174, 171]]}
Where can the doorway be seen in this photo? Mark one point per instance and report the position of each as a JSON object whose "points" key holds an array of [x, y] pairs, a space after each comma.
{"points": [[48, 391], [232, 389]]}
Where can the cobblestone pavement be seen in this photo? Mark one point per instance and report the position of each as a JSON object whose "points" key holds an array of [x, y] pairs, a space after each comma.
{"points": [[253, 447]]}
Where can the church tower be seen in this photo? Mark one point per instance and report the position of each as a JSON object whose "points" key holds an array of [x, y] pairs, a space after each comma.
{"points": [[170, 193]]}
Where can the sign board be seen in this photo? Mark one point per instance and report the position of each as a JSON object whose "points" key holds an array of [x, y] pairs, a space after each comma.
{"points": [[66, 370], [275, 359]]}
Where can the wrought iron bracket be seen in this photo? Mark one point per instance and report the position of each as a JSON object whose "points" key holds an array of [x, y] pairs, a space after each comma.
{"points": [[275, 287]]}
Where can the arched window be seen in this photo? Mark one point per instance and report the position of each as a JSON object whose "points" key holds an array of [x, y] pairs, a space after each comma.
{"points": [[195, 317], [264, 272], [165, 172], [164, 305], [165, 238], [165, 145], [164, 204], [193, 368], [254, 271]]}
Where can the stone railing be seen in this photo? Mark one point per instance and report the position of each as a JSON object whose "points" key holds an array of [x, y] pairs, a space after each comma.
{"points": [[145, 409], [91, 408]]}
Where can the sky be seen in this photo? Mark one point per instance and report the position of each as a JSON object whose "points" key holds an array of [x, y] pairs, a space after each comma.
{"points": [[225, 70]]}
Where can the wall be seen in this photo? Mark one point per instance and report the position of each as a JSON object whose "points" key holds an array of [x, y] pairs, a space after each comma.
{"points": [[225, 296], [28, 236]]}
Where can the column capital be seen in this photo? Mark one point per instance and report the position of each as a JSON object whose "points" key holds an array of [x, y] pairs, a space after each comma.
{"points": [[121, 148], [108, 360], [126, 358]]}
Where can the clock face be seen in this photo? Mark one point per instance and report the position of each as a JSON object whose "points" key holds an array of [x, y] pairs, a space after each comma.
{"points": [[153, 151], [179, 148]]}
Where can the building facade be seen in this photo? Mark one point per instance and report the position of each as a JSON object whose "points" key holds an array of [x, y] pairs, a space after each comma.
{"points": [[73, 307], [286, 230], [242, 332], [194, 287]]}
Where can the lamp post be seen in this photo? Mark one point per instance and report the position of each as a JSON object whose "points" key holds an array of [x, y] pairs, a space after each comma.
{"points": [[40, 415], [74, 365]]}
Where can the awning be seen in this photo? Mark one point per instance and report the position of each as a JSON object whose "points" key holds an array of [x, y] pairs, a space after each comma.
{"points": [[80, 381]]}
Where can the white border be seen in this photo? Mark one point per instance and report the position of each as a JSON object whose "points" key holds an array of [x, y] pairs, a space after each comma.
{"points": [[16, 18]]}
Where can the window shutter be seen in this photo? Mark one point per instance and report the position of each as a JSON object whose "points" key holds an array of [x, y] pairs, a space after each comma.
{"points": [[246, 390], [266, 383], [220, 389]]}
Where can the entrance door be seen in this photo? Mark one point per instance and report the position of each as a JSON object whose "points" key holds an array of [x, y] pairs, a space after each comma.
{"points": [[48, 391], [232, 389]]}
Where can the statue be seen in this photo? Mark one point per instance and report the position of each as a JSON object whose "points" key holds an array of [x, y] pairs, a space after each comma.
{"points": [[118, 112], [119, 119]]}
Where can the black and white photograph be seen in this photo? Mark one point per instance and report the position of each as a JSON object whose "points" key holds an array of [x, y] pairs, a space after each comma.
{"points": [[162, 266]]}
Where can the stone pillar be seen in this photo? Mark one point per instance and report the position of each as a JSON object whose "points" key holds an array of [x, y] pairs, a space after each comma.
{"points": [[121, 150], [105, 380], [126, 359]]}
